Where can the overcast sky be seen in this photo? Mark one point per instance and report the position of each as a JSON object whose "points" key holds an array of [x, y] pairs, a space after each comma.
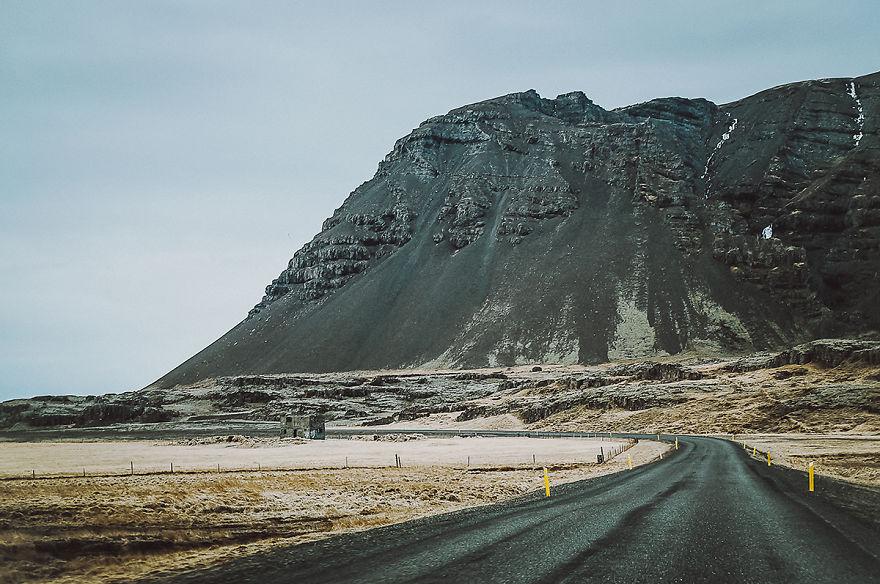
{"points": [[161, 161]]}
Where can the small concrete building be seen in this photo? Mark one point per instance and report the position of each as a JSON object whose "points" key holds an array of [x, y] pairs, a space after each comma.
{"points": [[293, 426]]}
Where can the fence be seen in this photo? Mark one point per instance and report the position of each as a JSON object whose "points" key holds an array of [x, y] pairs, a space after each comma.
{"points": [[472, 461]]}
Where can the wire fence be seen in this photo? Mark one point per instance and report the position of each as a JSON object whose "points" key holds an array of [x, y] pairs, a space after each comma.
{"points": [[474, 461]]}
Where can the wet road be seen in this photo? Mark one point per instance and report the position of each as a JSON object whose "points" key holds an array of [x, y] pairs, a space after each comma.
{"points": [[709, 513]]}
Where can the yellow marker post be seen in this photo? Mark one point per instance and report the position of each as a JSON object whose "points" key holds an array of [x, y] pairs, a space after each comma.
{"points": [[754, 450], [546, 483], [676, 442], [768, 458], [629, 461], [810, 473]]}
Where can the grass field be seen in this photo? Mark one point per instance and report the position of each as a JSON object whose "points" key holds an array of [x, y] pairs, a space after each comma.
{"points": [[115, 528]]}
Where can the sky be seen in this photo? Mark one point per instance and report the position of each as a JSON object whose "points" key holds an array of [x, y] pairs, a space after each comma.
{"points": [[161, 161]]}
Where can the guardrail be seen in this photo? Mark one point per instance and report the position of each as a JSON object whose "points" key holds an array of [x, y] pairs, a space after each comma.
{"points": [[333, 431]]}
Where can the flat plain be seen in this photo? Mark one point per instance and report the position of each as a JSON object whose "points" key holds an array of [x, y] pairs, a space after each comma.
{"points": [[116, 528]]}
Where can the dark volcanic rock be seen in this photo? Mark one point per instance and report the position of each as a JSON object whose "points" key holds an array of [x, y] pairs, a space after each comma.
{"points": [[523, 229], [822, 352], [830, 353], [83, 411], [655, 371]]}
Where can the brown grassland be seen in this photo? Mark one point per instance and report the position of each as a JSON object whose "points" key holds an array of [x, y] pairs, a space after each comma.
{"points": [[119, 528]]}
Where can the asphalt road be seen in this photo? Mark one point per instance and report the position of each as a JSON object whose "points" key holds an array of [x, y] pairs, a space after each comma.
{"points": [[708, 513]]}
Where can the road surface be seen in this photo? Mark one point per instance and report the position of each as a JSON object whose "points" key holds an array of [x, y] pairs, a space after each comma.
{"points": [[709, 513]]}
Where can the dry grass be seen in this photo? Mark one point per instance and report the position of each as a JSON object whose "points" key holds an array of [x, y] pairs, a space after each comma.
{"points": [[852, 458], [106, 529], [54, 458], [740, 402]]}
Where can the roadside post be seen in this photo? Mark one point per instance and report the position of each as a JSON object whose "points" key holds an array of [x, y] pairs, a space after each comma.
{"points": [[768, 458], [676, 442], [754, 450], [546, 483], [629, 461], [810, 473]]}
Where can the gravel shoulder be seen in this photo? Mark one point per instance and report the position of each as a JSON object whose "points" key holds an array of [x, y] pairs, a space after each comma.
{"points": [[851, 458]]}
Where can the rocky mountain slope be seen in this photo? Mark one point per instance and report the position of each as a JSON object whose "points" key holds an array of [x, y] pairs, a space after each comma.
{"points": [[523, 229]]}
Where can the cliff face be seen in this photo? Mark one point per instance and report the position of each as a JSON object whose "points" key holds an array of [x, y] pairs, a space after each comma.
{"points": [[524, 229]]}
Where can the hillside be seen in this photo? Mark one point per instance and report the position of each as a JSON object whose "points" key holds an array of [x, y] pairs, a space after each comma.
{"points": [[523, 229]]}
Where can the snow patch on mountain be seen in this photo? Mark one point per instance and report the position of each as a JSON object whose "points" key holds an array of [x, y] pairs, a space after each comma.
{"points": [[860, 118], [724, 138]]}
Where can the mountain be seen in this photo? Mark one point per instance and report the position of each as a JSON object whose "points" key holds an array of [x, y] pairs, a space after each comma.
{"points": [[523, 229]]}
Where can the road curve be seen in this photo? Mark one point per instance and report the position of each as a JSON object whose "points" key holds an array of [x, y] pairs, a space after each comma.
{"points": [[709, 513]]}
